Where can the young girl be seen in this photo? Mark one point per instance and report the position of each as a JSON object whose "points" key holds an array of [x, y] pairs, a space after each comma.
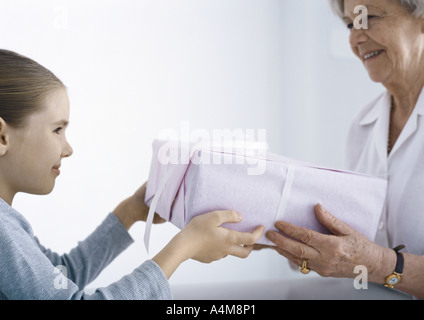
{"points": [[34, 114]]}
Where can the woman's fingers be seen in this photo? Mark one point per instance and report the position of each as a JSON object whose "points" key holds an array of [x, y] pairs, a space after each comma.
{"points": [[291, 246], [304, 235], [294, 259], [310, 237], [334, 225]]}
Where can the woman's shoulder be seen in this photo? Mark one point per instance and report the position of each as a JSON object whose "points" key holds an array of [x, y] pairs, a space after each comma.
{"points": [[361, 131]]}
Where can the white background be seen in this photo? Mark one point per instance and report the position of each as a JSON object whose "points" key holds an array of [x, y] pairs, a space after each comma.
{"points": [[136, 67]]}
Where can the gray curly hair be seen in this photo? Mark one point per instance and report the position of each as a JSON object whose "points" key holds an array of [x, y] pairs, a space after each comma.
{"points": [[416, 7]]}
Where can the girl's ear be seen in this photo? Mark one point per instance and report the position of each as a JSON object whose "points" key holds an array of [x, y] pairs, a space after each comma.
{"points": [[4, 139]]}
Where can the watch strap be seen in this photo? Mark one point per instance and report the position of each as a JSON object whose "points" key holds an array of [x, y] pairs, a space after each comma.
{"points": [[399, 260]]}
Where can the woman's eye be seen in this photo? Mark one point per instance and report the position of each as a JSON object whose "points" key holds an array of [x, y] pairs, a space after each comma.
{"points": [[351, 25], [57, 130]]}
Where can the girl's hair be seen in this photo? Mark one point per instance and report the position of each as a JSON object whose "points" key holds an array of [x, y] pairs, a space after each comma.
{"points": [[24, 84]]}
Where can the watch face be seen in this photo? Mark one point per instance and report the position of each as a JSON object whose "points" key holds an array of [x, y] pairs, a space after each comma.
{"points": [[394, 281]]}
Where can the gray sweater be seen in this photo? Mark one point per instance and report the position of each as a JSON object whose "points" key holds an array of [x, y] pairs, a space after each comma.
{"points": [[30, 271]]}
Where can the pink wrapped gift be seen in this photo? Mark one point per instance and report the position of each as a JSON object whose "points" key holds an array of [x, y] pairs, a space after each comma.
{"points": [[187, 180]]}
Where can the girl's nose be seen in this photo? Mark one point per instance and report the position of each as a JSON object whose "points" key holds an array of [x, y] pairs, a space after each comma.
{"points": [[67, 150]]}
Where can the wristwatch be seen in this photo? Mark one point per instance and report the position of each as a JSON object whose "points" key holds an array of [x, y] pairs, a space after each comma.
{"points": [[396, 277]]}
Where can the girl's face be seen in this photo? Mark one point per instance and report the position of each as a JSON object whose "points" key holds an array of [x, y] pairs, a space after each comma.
{"points": [[34, 154]]}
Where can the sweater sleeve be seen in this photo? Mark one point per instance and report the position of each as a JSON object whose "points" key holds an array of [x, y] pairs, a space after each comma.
{"points": [[84, 262], [29, 271]]}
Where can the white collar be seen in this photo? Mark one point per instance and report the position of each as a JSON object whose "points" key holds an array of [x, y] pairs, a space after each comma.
{"points": [[382, 105]]}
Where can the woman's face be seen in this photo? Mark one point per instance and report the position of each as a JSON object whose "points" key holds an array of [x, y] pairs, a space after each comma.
{"points": [[35, 151], [392, 46]]}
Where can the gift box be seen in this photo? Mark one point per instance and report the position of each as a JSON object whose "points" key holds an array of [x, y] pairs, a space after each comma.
{"points": [[186, 180]]}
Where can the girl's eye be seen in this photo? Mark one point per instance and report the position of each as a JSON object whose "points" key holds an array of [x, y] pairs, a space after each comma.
{"points": [[57, 130]]}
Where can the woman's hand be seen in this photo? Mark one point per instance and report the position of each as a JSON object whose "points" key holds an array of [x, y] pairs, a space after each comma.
{"points": [[205, 240], [134, 209], [334, 255]]}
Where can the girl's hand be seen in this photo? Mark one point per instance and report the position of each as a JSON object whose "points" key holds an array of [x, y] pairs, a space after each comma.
{"points": [[134, 209], [205, 240], [208, 241]]}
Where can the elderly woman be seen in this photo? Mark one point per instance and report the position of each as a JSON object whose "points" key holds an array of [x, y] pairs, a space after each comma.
{"points": [[386, 139]]}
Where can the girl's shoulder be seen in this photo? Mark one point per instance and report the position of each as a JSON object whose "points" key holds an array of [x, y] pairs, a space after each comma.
{"points": [[11, 218]]}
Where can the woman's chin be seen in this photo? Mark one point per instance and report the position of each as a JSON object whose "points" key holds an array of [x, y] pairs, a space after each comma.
{"points": [[377, 77]]}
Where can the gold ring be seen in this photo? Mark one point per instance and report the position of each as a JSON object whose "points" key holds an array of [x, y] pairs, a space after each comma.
{"points": [[304, 268]]}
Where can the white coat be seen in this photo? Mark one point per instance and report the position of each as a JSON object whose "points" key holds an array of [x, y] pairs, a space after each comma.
{"points": [[402, 220]]}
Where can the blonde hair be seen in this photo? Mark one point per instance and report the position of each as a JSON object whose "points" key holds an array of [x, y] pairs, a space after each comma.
{"points": [[416, 7], [24, 84]]}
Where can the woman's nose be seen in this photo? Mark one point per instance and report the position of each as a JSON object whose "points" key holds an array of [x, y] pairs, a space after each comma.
{"points": [[357, 37]]}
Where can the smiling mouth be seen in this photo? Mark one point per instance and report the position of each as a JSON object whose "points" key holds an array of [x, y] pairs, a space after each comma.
{"points": [[372, 54]]}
